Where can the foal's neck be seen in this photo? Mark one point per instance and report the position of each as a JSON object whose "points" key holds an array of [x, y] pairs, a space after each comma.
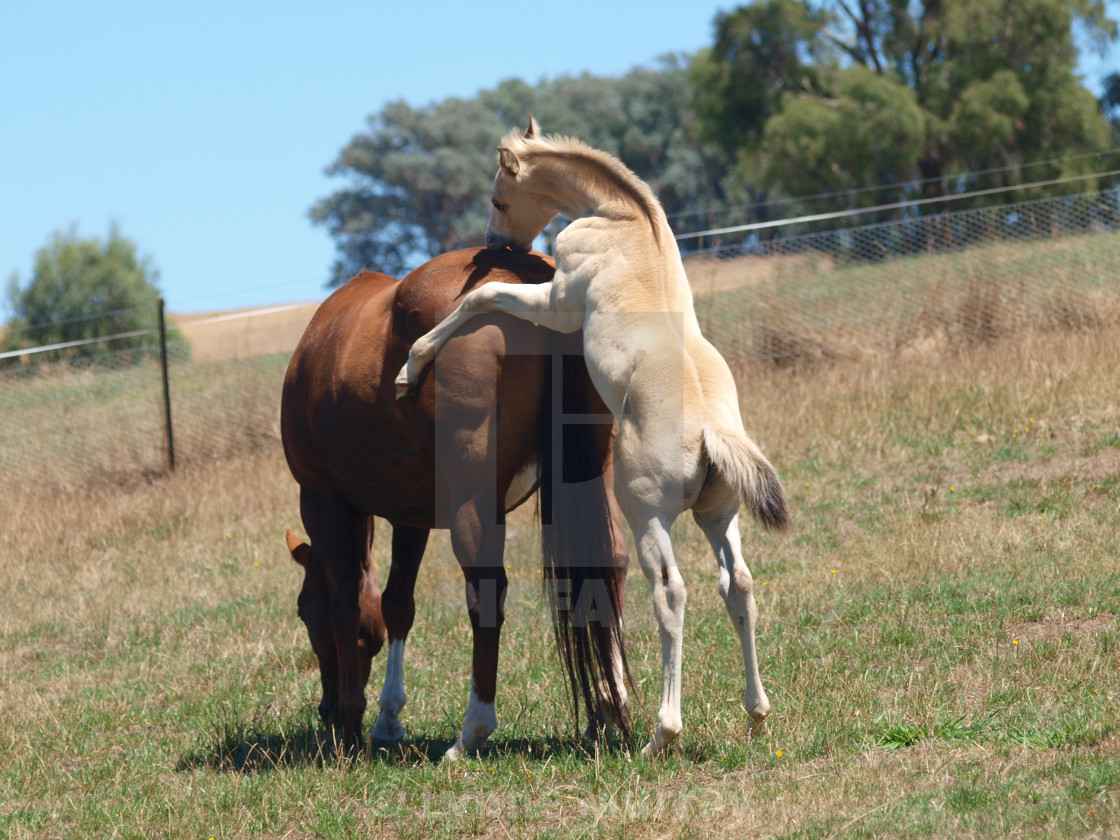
{"points": [[583, 187]]}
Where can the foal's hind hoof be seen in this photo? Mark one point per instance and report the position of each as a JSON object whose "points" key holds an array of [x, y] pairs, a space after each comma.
{"points": [[758, 724]]}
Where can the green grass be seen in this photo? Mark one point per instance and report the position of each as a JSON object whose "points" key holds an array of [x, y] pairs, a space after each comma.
{"points": [[90, 426], [939, 637], [939, 629]]}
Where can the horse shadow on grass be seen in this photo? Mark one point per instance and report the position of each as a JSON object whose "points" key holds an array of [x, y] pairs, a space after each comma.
{"points": [[250, 750]]}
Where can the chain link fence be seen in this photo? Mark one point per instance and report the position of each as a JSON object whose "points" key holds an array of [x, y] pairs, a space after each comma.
{"points": [[973, 276]]}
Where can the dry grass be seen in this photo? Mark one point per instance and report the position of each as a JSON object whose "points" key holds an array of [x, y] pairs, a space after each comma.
{"points": [[939, 629], [710, 275], [939, 636], [793, 310], [226, 336]]}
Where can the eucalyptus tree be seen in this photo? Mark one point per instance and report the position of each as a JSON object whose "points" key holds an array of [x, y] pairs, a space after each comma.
{"points": [[802, 91], [418, 179]]}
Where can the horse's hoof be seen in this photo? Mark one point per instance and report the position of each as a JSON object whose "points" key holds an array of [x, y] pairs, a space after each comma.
{"points": [[458, 751], [387, 732], [599, 732], [463, 749], [650, 752], [757, 725]]}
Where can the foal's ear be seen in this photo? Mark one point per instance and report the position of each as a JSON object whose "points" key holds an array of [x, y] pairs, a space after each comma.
{"points": [[533, 131], [301, 551], [508, 161]]}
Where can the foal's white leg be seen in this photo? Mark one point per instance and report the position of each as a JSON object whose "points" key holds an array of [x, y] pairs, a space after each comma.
{"points": [[604, 723], [388, 727], [655, 553], [529, 303], [737, 589]]}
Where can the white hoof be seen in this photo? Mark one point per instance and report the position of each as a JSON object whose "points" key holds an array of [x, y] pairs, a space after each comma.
{"points": [[460, 749], [758, 720], [479, 722], [663, 735], [405, 386]]}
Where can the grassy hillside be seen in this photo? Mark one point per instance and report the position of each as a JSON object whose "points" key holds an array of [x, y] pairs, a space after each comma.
{"points": [[226, 336], [939, 636]]}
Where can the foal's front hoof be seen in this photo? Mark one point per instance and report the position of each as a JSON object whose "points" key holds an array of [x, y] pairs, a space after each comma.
{"points": [[666, 731], [405, 387]]}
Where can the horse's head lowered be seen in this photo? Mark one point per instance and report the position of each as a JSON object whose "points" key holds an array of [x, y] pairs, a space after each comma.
{"points": [[518, 213], [314, 611]]}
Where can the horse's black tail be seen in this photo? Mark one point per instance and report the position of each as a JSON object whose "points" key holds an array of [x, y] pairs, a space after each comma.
{"points": [[583, 575]]}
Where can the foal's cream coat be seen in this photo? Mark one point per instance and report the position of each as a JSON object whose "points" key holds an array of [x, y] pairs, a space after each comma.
{"points": [[680, 443]]}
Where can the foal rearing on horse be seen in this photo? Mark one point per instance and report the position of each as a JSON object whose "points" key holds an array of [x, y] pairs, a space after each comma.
{"points": [[680, 443]]}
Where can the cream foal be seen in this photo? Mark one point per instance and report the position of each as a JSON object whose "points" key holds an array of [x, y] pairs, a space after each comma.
{"points": [[680, 443]]}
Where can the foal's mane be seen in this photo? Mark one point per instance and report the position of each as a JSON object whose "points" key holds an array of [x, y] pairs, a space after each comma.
{"points": [[604, 165]]}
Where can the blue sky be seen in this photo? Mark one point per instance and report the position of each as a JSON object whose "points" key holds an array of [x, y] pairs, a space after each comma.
{"points": [[203, 129]]}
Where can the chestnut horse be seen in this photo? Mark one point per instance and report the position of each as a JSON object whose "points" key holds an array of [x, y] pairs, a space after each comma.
{"points": [[476, 442]]}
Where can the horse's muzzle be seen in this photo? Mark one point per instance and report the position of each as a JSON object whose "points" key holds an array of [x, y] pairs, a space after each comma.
{"points": [[496, 241]]}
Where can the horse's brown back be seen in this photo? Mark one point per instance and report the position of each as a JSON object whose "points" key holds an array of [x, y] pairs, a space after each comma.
{"points": [[340, 416]]}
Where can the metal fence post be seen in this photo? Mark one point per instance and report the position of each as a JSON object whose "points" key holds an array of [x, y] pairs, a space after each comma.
{"points": [[166, 390]]}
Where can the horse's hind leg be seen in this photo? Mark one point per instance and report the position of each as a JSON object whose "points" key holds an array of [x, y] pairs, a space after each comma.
{"points": [[398, 607], [737, 589], [478, 542]]}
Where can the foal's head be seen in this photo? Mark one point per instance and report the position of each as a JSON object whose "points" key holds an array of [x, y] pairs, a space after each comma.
{"points": [[518, 213], [314, 611]]}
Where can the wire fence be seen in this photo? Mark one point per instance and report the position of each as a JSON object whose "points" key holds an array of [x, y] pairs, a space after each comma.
{"points": [[100, 418], [783, 295], [973, 275]]}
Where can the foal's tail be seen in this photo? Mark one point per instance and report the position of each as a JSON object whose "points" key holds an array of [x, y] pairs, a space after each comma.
{"points": [[583, 579], [740, 462]]}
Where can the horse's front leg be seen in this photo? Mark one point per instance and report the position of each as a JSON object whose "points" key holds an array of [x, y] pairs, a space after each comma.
{"points": [[398, 606], [529, 303]]}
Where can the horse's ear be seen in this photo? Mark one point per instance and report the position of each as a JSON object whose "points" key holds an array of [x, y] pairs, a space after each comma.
{"points": [[301, 551], [533, 131], [509, 161]]}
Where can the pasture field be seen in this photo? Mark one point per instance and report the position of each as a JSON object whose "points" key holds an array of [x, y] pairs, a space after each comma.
{"points": [[815, 304], [939, 635]]}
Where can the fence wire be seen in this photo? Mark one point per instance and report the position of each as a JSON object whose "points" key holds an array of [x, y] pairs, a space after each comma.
{"points": [[99, 418], [972, 276]]}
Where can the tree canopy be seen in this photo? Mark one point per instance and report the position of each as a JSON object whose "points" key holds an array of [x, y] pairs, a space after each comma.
{"points": [[419, 179], [858, 90], [83, 288], [793, 98]]}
